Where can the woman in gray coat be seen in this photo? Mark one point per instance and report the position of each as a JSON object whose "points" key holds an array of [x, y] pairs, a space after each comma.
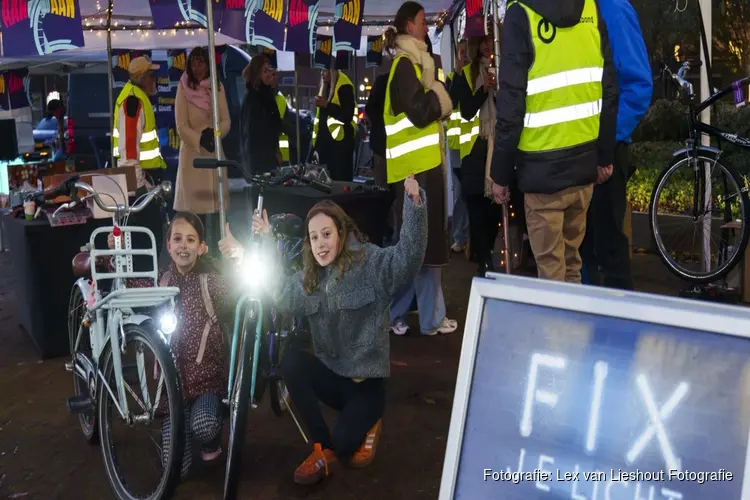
{"points": [[344, 291]]}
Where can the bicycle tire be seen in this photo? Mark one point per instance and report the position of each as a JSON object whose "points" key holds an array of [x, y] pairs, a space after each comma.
{"points": [[171, 476], [277, 382], [727, 267], [87, 420], [239, 401]]}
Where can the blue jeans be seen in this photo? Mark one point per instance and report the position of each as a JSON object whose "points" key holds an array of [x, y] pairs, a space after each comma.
{"points": [[460, 224], [428, 288]]}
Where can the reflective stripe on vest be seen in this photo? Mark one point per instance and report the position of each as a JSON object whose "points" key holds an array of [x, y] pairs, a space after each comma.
{"points": [[283, 138], [150, 154], [564, 90], [335, 127], [470, 128], [409, 149]]}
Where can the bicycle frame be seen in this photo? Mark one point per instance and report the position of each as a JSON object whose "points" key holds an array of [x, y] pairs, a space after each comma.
{"points": [[696, 127], [112, 312]]}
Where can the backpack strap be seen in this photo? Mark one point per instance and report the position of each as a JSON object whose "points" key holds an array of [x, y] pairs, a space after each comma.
{"points": [[164, 281], [212, 319]]}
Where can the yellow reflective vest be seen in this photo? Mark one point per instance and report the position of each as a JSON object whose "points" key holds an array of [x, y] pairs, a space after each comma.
{"points": [[150, 155], [283, 138]]}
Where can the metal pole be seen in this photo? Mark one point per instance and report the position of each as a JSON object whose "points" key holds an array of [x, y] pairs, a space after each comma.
{"points": [[215, 105], [506, 219], [110, 79], [705, 9], [296, 110]]}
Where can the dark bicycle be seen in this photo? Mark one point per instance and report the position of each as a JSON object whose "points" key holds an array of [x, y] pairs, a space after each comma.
{"points": [[250, 319], [699, 202]]}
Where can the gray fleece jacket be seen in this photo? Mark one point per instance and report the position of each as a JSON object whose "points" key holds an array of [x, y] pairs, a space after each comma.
{"points": [[349, 318]]}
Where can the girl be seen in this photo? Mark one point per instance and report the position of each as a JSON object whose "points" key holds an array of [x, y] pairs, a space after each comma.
{"points": [[344, 290], [198, 344]]}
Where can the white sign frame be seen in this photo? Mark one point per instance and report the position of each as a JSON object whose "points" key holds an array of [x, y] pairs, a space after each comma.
{"points": [[675, 312]]}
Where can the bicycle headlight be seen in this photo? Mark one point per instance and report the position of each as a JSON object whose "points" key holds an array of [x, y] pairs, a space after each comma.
{"points": [[168, 323], [256, 270]]}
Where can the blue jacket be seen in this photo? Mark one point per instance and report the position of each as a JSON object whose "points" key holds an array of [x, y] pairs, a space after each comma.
{"points": [[634, 78]]}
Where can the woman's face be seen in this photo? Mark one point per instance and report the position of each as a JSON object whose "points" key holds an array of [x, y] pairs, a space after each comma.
{"points": [[485, 48], [266, 75], [324, 239], [184, 245], [418, 27], [199, 68], [326, 75]]}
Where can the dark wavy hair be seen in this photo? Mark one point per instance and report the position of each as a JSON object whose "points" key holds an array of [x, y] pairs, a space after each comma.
{"points": [[345, 256]]}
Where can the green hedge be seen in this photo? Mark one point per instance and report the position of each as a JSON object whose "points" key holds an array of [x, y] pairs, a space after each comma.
{"points": [[663, 131]]}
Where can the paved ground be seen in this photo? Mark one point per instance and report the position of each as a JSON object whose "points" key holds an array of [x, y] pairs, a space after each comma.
{"points": [[43, 456]]}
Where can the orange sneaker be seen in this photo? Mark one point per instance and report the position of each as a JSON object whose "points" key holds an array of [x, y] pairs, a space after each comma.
{"points": [[366, 453], [315, 467]]}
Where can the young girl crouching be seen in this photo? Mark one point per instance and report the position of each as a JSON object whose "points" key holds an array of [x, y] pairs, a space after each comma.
{"points": [[344, 290], [197, 343]]}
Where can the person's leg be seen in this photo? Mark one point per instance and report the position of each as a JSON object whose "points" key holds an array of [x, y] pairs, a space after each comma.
{"points": [[357, 429], [400, 307], [589, 265], [431, 302], [612, 245], [310, 382], [166, 436], [574, 227], [206, 422], [544, 223], [460, 226], [477, 233]]}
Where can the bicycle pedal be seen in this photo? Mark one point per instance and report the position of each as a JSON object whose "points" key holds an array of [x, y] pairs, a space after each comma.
{"points": [[79, 404]]}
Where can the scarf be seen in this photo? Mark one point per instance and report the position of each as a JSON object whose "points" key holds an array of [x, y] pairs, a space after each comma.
{"points": [[487, 119], [200, 97]]}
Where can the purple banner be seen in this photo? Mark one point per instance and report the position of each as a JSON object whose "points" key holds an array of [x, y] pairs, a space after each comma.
{"points": [[268, 25], [167, 13], [342, 59], [374, 57], [36, 27], [474, 19], [347, 27], [167, 79], [120, 62], [323, 48], [234, 21], [303, 18]]}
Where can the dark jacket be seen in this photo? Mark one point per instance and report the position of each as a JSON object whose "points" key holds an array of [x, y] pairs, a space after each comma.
{"points": [[349, 317], [260, 127], [422, 108], [338, 156], [472, 165], [550, 171], [374, 110]]}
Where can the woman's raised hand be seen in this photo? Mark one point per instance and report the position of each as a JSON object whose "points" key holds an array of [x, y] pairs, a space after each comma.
{"points": [[261, 225], [411, 188]]}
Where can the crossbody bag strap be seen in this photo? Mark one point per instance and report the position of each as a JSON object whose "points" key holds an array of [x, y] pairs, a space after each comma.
{"points": [[212, 319]]}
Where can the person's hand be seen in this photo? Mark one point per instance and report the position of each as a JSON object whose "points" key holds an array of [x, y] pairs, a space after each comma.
{"points": [[603, 174], [501, 194], [261, 225], [111, 241], [490, 83], [321, 102], [411, 188], [230, 247]]}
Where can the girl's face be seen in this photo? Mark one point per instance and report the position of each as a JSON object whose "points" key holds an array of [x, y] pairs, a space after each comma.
{"points": [[324, 239], [184, 245], [485, 48]]}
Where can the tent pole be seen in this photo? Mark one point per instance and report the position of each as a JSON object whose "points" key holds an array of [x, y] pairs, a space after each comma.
{"points": [[215, 105], [296, 110], [506, 219], [110, 79]]}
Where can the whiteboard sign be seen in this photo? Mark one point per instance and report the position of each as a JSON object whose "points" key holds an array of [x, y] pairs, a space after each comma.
{"points": [[583, 393]]}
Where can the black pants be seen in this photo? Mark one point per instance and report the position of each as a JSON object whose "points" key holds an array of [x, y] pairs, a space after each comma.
{"points": [[360, 405], [605, 248], [484, 217]]}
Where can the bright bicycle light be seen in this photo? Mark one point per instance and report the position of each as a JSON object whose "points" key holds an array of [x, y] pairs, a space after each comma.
{"points": [[168, 323], [256, 270]]}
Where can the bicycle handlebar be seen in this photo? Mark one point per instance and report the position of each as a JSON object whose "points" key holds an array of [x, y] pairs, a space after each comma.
{"points": [[680, 76], [262, 180], [72, 185]]}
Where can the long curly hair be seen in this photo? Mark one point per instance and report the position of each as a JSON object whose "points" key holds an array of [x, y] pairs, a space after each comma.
{"points": [[346, 257]]}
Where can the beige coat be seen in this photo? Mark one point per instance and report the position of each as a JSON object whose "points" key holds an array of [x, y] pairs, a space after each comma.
{"points": [[196, 190]]}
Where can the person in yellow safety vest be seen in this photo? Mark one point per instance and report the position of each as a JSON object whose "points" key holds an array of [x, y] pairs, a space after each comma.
{"points": [[135, 143], [556, 123], [415, 104], [283, 138], [460, 219], [335, 125]]}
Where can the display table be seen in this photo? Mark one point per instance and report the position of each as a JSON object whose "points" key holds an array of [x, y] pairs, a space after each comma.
{"points": [[41, 256], [367, 207]]}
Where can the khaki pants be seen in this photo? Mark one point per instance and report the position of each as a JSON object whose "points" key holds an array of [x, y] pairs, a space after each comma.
{"points": [[556, 224]]}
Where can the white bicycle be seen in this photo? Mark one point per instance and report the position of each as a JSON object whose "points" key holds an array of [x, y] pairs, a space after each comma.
{"points": [[110, 333]]}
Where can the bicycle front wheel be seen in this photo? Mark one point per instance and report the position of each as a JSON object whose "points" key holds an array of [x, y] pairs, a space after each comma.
{"points": [[152, 475], [239, 400], [698, 217]]}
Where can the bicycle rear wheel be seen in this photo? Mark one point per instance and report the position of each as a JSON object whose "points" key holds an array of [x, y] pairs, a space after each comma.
{"points": [[698, 217], [239, 400], [277, 387], [167, 463], [81, 358]]}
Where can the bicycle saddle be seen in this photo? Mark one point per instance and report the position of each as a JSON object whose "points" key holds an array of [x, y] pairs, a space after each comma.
{"points": [[287, 225], [82, 265]]}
